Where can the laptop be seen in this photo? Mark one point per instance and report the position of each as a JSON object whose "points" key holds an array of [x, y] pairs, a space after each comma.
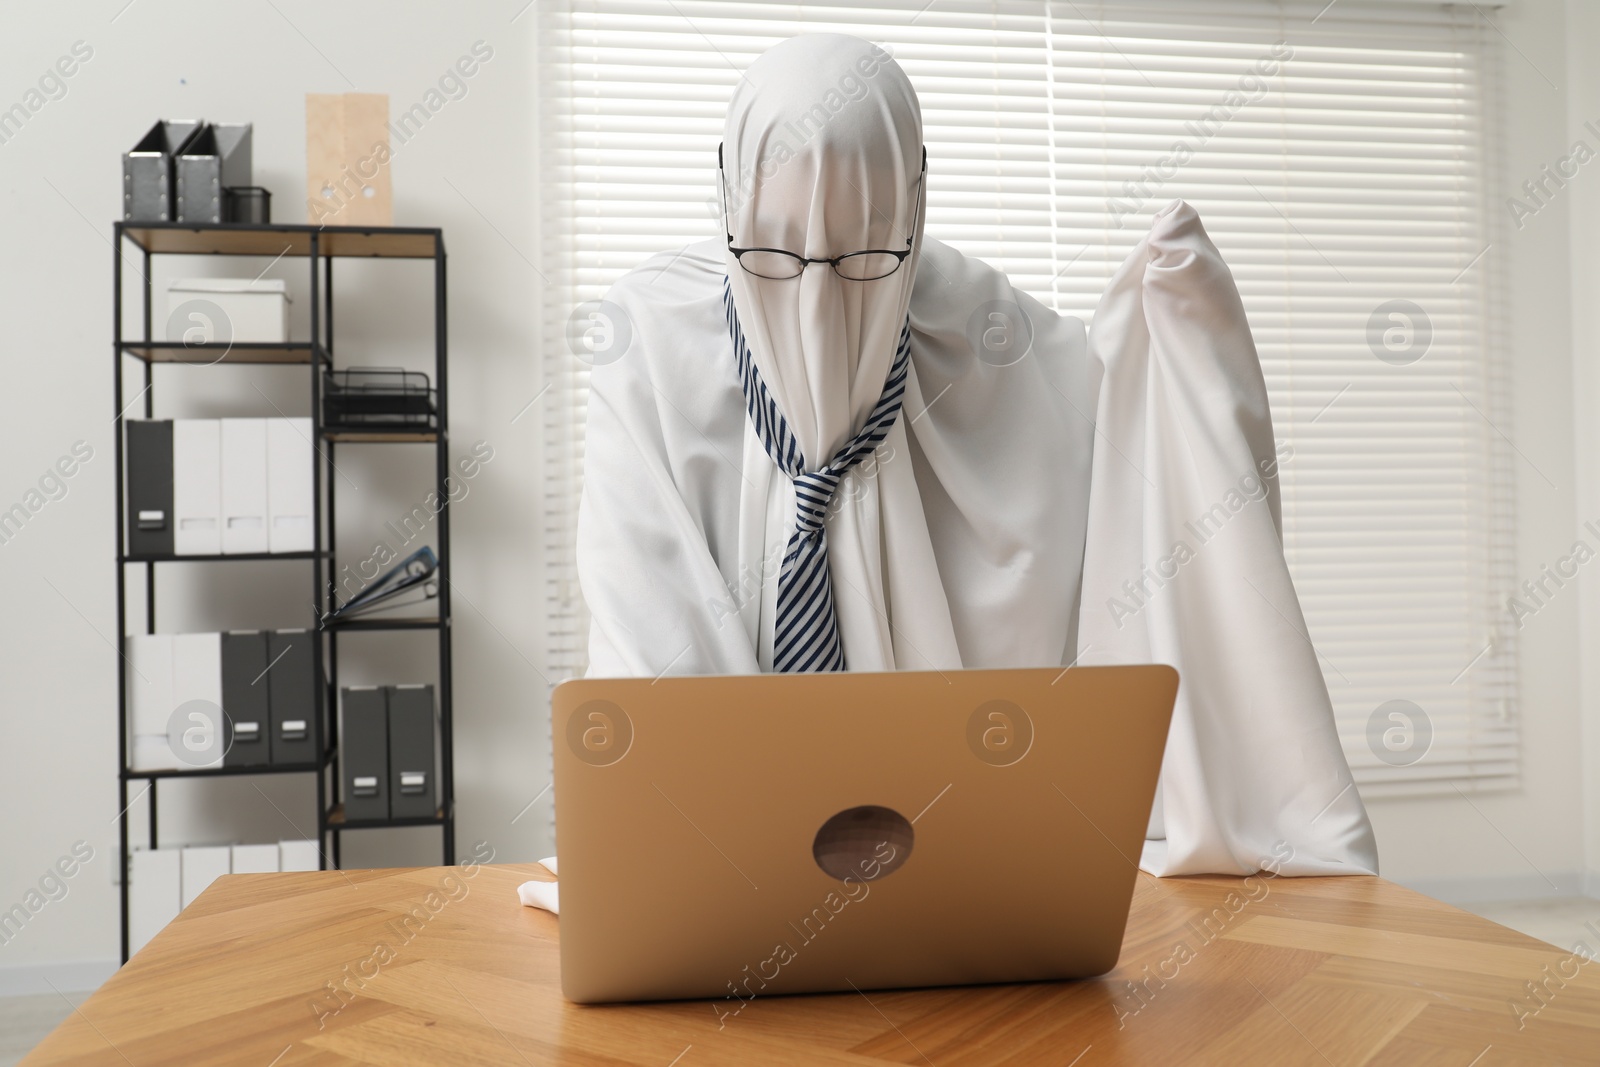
{"points": [[741, 836]]}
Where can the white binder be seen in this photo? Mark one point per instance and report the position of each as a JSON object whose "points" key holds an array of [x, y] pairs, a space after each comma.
{"points": [[150, 701], [244, 486], [255, 859], [201, 867], [298, 856], [155, 894], [151, 752], [197, 487], [289, 458], [197, 675]]}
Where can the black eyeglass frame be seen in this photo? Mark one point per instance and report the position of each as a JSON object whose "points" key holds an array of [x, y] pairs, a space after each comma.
{"points": [[899, 256]]}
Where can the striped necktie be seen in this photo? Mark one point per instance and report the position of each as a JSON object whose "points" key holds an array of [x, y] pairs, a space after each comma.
{"points": [[806, 634]]}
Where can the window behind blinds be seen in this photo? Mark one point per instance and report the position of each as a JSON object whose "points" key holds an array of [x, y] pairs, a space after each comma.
{"points": [[1340, 158]]}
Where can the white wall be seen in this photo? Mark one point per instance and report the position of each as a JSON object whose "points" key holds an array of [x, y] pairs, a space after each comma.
{"points": [[470, 170], [1583, 97]]}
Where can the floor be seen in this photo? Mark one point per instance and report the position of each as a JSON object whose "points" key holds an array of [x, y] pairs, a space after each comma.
{"points": [[1563, 922], [24, 1021]]}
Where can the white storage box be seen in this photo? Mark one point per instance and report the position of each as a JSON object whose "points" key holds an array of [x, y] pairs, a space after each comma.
{"points": [[298, 856], [255, 859], [228, 310]]}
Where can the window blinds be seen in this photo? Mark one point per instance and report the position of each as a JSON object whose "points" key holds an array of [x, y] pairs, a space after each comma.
{"points": [[1339, 156]]}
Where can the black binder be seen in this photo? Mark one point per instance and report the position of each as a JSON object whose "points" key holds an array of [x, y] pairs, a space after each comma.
{"points": [[291, 697], [149, 487], [412, 789], [364, 753], [244, 698]]}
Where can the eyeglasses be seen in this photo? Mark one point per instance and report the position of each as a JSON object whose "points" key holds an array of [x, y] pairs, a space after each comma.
{"points": [[777, 264]]}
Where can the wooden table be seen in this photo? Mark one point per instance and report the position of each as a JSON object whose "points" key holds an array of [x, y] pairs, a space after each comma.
{"points": [[1282, 971]]}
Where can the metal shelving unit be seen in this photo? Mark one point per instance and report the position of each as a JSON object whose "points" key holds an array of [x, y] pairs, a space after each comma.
{"points": [[319, 246]]}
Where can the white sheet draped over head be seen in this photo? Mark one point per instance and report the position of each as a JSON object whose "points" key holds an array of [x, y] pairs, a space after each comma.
{"points": [[816, 164], [962, 541]]}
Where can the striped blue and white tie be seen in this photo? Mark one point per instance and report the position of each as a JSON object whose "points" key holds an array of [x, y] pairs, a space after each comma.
{"points": [[806, 634]]}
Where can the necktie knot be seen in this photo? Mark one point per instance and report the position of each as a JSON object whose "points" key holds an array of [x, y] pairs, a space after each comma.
{"points": [[813, 493]]}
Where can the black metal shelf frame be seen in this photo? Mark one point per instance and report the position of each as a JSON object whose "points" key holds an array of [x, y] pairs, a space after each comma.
{"points": [[319, 246]]}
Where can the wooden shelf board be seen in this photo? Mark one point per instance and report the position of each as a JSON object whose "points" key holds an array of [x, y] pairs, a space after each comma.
{"points": [[400, 623], [224, 772], [378, 436], [236, 556], [235, 239], [337, 820], [211, 352]]}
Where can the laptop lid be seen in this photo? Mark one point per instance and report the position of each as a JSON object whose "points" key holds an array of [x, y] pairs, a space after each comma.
{"points": [[742, 836]]}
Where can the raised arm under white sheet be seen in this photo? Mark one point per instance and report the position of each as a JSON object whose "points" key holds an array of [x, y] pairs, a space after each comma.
{"points": [[1183, 564]]}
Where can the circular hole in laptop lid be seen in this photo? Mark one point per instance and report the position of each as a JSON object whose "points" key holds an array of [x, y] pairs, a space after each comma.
{"points": [[864, 843]]}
